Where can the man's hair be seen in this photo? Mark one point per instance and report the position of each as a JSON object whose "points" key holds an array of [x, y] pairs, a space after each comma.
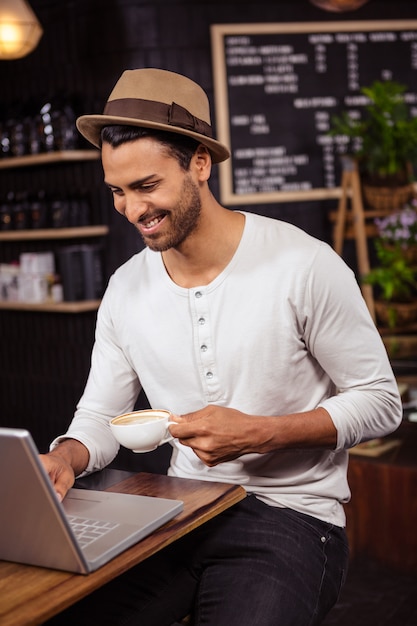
{"points": [[178, 146]]}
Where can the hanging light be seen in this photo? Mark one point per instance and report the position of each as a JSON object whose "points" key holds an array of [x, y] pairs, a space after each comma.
{"points": [[20, 30], [339, 6]]}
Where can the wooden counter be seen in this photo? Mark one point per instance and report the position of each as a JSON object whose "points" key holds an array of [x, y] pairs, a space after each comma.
{"points": [[382, 513]]}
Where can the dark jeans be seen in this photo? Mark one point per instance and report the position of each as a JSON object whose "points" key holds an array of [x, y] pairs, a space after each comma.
{"points": [[253, 565]]}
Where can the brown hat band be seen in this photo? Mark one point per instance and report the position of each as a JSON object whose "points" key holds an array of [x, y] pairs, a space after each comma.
{"points": [[171, 114]]}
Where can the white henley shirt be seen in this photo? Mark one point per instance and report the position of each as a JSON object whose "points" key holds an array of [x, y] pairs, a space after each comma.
{"points": [[283, 329]]}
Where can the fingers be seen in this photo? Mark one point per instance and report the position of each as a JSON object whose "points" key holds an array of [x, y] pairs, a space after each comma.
{"points": [[216, 434], [187, 417], [63, 483], [60, 472], [178, 425]]}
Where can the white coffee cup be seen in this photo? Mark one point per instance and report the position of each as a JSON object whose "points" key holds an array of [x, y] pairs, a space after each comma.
{"points": [[142, 431]]}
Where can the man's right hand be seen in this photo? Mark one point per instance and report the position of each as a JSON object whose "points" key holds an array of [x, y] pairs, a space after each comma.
{"points": [[64, 463], [60, 472]]}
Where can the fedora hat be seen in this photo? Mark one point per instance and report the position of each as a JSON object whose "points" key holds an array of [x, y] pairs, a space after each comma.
{"points": [[153, 98]]}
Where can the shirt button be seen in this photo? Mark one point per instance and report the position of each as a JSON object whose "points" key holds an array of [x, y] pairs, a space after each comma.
{"points": [[209, 375], [203, 348], [201, 321], [198, 294]]}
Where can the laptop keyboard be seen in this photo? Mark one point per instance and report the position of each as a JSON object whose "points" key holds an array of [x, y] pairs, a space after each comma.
{"points": [[88, 530]]}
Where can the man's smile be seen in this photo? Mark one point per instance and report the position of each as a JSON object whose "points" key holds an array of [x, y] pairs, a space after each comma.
{"points": [[150, 224]]}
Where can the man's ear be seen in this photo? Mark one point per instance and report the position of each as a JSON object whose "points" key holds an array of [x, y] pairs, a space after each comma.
{"points": [[202, 159]]}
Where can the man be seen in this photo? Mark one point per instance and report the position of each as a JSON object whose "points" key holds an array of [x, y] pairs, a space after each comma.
{"points": [[256, 337]]}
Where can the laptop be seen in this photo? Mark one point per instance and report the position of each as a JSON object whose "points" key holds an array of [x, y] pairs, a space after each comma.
{"points": [[78, 535]]}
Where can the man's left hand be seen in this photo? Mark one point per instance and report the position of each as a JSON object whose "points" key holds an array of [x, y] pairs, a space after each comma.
{"points": [[216, 434]]}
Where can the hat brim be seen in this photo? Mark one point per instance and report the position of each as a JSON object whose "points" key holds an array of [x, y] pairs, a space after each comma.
{"points": [[90, 127]]}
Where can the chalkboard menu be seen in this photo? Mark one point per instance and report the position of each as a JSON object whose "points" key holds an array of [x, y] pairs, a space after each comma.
{"points": [[277, 87]]}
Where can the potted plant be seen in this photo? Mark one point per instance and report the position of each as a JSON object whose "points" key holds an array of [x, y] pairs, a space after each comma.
{"points": [[384, 141], [395, 281], [399, 229]]}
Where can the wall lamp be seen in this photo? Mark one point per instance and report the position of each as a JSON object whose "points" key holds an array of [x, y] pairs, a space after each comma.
{"points": [[338, 6], [20, 30]]}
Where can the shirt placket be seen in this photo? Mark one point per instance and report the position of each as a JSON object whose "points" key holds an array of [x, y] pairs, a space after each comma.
{"points": [[204, 344]]}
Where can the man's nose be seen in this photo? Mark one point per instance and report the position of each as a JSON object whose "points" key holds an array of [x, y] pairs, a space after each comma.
{"points": [[134, 209]]}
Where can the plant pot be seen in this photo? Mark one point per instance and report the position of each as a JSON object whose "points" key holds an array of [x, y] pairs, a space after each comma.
{"points": [[387, 198], [396, 314], [409, 252]]}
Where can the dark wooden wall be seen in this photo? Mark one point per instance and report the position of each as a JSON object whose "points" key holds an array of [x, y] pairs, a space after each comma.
{"points": [[44, 357]]}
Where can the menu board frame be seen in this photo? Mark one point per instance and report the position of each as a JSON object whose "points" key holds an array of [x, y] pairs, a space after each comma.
{"points": [[223, 112]]}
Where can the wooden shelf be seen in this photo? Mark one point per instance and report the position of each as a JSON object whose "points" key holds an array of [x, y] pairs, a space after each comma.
{"points": [[400, 346], [350, 232], [62, 156], [401, 331], [82, 306], [54, 233]]}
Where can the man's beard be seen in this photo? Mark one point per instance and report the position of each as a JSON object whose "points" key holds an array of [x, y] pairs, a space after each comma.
{"points": [[184, 219]]}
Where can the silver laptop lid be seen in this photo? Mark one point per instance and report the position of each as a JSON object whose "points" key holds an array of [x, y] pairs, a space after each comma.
{"points": [[32, 522], [34, 527]]}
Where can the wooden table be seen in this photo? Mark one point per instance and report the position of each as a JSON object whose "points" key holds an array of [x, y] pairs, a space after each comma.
{"points": [[30, 595]]}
